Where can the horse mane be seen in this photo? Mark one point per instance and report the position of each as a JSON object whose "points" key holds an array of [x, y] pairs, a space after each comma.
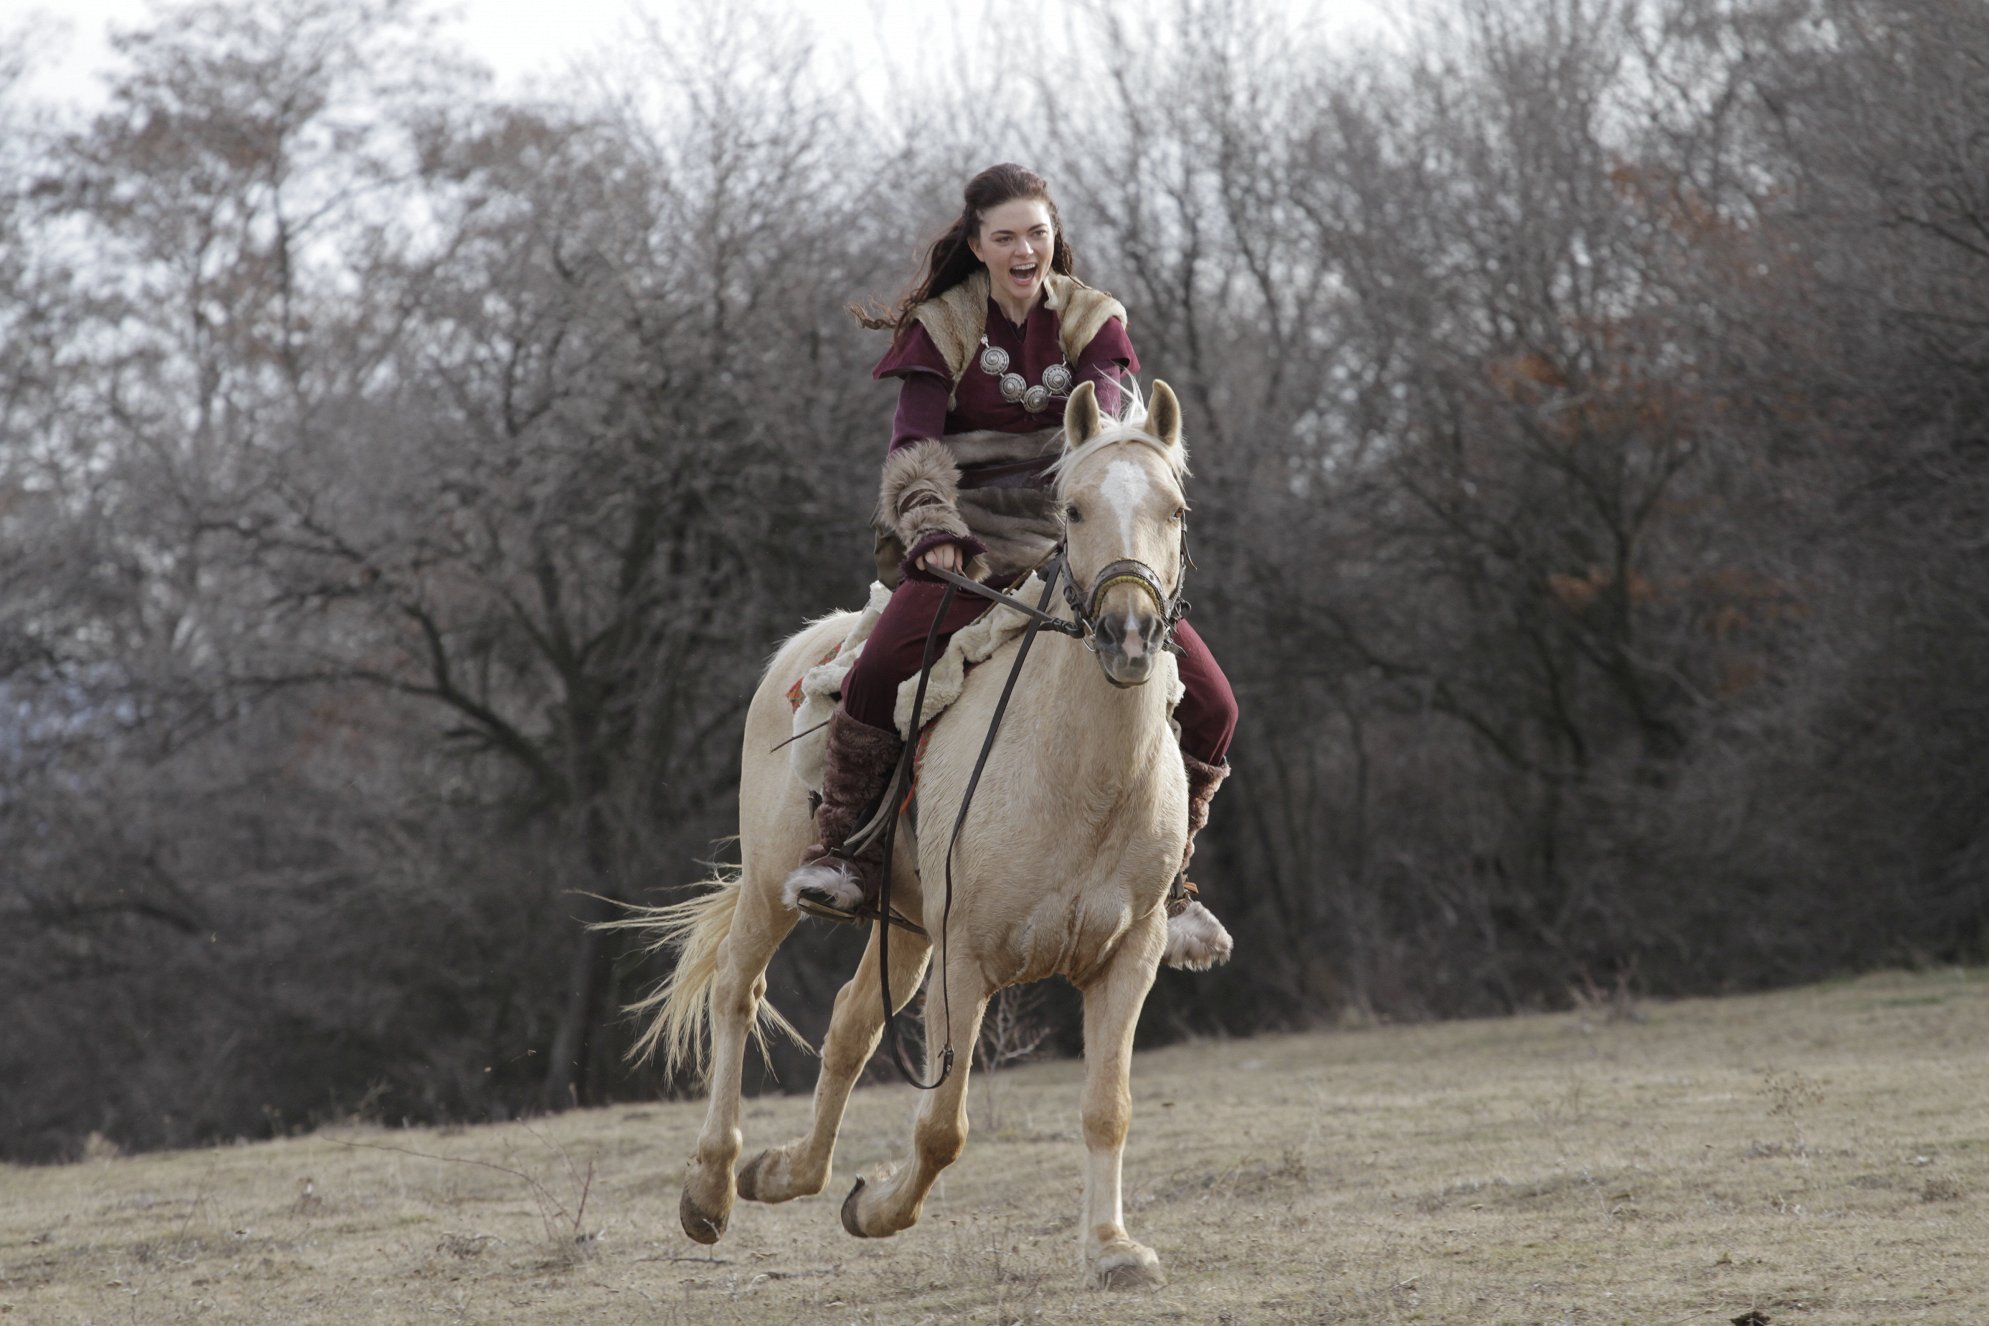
{"points": [[1123, 426]]}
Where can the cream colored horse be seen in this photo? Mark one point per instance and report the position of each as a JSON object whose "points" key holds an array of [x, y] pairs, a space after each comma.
{"points": [[1062, 869]]}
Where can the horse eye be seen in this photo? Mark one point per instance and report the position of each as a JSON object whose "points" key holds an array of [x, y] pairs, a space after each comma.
{"points": [[1180, 514], [1072, 514]]}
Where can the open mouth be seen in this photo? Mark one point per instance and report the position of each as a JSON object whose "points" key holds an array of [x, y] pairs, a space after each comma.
{"points": [[1024, 274]]}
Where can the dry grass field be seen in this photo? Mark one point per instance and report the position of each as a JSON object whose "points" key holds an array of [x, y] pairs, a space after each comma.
{"points": [[1818, 1156]]}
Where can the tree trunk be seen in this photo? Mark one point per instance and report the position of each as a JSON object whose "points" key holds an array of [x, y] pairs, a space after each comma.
{"points": [[569, 1072], [569, 1081]]}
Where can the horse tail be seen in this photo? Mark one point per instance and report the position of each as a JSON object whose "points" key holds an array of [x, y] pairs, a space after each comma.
{"points": [[679, 1008]]}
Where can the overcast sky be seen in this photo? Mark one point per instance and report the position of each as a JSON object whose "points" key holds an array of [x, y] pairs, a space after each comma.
{"points": [[524, 40], [518, 39]]}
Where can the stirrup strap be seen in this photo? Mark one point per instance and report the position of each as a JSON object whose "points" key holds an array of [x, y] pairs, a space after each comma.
{"points": [[1181, 893]]}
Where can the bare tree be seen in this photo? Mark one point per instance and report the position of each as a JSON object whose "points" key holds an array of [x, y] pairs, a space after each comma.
{"points": [[399, 491]]}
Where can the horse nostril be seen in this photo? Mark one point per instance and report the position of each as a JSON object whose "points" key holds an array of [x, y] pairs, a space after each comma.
{"points": [[1134, 638]]}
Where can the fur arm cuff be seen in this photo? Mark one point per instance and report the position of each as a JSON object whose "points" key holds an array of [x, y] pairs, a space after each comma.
{"points": [[920, 493], [919, 501]]}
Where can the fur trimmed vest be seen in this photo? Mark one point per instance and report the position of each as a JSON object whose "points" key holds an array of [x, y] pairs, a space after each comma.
{"points": [[956, 319], [936, 487]]}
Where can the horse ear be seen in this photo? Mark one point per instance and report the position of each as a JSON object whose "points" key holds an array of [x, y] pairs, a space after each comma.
{"points": [[1081, 418], [1163, 415]]}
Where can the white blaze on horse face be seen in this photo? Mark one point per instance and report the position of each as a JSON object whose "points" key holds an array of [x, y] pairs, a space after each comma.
{"points": [[1125, 487]]}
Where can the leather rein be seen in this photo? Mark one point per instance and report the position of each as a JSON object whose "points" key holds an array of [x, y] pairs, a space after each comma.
{"points": [[1081, 625]]}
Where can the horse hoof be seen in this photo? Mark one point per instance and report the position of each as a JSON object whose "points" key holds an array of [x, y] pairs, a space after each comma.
{"points": [[1128, 1268], [701, 1227], [747, 1182], [849, 1211]]}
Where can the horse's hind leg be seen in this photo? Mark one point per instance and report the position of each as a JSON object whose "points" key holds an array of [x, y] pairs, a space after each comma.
{"points": [[801, 1168], [939, 1133], [1111, 1259], [758, 926]]}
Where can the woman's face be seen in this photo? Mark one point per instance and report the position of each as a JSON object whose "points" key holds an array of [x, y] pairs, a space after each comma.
{"points": [[1016, 244]]}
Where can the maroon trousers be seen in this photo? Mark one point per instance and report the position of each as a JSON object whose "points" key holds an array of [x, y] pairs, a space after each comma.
{"points": [[1207, 712]]}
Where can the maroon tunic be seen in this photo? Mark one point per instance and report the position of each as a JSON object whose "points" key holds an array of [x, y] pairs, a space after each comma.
{"points": [[977, 400]]}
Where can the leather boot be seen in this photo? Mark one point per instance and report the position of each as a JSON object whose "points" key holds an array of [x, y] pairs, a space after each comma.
{"points": [[1196, 940], [831, 882]]}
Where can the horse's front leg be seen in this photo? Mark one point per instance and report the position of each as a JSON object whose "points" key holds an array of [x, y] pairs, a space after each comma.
{"points": [[759, 923], [939, 1132], [801, 1167], [1112, 1002]]}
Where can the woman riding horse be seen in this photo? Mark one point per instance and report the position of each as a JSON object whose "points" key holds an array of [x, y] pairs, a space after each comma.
{"points": [[989, 345]]}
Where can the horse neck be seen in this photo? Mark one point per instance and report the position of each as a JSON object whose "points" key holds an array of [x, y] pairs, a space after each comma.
{"points": [[1099, 731]]}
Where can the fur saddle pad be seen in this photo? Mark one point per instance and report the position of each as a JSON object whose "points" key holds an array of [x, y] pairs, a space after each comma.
{"points": [[816, 695]]}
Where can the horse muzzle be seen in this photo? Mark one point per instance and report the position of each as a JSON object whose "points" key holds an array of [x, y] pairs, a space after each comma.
{"points": [[1128, 645]]}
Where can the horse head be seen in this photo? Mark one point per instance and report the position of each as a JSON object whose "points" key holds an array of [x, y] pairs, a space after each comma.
{"points": [[1124, 512]]}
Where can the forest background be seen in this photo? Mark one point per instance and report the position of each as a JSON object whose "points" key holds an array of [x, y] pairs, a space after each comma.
{"points": [[402, 486]]}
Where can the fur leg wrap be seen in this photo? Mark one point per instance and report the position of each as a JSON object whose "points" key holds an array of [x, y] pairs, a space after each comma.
{"points": [[1196, 940], [919, 502], [1203, 780], [857, 767]]}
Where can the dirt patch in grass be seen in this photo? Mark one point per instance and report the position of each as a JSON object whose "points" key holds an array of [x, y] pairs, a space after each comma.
{"points": [[1817, 1156]]}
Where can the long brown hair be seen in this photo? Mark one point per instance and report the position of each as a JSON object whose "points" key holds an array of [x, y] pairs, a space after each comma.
{"points": [[949, 261]]}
